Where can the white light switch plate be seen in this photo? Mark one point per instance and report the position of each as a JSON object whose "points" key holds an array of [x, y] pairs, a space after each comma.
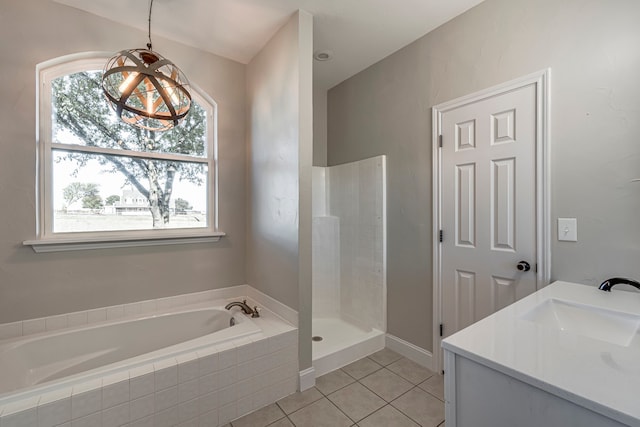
{"points": [[568, 229]]}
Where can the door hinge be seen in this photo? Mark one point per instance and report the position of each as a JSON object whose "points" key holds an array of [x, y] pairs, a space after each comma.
{"points": [[536, 267], [440, 140], [441, 329], [441, 236]]}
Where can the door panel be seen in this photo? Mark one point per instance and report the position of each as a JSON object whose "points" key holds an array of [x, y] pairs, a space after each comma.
{"points": [[504, 292], [488, 208], [465, 293], [502, 204], [465, 205]]}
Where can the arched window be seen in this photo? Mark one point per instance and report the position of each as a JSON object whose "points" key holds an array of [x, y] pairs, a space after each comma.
{"points": [[101, 179]]}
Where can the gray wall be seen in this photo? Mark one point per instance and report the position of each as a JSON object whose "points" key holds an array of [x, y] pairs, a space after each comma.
{"points": [[319, 127], [279, 142], [272, 145], [592, 49], [33, 285]]}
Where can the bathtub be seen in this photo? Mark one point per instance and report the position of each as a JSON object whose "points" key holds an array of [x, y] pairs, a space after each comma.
{"points": [[183, 365], [99, 350]]}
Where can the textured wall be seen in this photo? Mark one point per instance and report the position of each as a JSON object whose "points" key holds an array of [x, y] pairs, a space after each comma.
{"points": [[592, 49], [272, 135], [280, 144], [33, 285]]}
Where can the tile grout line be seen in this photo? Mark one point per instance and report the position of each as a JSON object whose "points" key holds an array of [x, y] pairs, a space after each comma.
{"points": [[325, 395], [300, 408], [348, 417], [400, 410], [421, 389], [399, 376], [430, 394], [384, 400], [381, 367], [315, 401], [387, 403], [355, 380], [407, 415]]}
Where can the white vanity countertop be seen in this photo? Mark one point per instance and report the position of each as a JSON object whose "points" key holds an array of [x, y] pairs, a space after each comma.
{"points": [[594, 373]]}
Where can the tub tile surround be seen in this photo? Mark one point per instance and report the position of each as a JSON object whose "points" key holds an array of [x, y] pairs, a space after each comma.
{"points": [[349, 231], [348, 262], [357, 196], [148, 307], [325, 266], [209, 387]]}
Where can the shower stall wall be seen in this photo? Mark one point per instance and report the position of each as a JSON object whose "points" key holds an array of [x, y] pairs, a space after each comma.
{"points": [[349, 262]]}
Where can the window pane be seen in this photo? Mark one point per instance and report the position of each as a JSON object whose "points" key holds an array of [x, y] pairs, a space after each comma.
{"points": [[105, 193], [81, 115]]}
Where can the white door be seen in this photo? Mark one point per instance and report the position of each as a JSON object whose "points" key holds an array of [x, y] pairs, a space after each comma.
{"points": [[488, 206]]}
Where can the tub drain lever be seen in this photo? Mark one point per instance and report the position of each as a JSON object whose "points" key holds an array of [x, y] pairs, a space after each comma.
{"points": [[256, 312]]}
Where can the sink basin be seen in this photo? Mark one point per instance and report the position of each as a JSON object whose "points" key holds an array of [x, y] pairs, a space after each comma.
{"points": [[589, 321]]}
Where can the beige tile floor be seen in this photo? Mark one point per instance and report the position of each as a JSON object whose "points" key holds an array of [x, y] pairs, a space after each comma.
{"points": [[382, 390]]}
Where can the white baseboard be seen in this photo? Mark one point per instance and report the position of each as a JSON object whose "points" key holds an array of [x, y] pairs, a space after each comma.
{"points": [[413, 352], [307, 379]]}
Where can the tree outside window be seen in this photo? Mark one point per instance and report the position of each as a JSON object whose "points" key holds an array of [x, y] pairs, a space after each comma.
{"points": [[110, 176]]}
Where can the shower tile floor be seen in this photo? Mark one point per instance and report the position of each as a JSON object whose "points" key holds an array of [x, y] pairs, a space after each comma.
{"points": [[381, 390]]}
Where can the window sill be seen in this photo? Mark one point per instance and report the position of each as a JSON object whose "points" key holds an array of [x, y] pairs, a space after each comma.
{"points": [[81, 244]]}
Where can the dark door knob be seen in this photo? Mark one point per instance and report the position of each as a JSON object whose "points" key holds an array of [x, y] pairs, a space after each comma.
{"points": [[524, 266]]}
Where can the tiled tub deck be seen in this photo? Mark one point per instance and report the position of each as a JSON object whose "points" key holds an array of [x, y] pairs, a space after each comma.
{"points": [[207, 386]]}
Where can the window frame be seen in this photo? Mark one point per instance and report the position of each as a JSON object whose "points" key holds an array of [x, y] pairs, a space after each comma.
{"points": [[46, 240]]}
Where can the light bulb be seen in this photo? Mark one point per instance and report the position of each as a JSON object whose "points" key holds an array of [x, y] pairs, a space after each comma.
{"points": [[149, 102], [171, 92], [124, 86]]}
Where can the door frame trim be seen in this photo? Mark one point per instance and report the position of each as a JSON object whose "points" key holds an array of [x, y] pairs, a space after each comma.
{"points": [[541, 81]]}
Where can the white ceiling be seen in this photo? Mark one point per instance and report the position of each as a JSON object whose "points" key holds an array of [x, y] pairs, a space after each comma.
{"points": [[359, 32]]}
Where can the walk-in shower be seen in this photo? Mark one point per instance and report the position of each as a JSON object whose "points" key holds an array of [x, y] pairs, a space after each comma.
{"points": [[349, 262]]}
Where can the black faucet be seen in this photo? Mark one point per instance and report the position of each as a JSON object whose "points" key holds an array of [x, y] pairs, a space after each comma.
{"points": [[610, 283], [245, 308]]}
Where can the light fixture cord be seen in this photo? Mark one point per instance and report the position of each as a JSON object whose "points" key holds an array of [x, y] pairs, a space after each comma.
{"points": [[150, 7]]}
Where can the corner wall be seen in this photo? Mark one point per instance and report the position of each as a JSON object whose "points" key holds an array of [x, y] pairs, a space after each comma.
{"points": [[279, 143], [36, 285], [592, 49]]}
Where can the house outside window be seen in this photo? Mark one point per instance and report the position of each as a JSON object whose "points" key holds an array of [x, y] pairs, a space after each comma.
{"points": [[102, 179]]}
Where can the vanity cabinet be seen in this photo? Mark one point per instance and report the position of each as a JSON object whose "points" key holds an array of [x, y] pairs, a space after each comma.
{"points": [[479, 396], [566, 356]]}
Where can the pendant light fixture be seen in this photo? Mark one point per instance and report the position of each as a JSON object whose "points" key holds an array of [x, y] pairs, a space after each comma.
{"points": [[145, 89]]}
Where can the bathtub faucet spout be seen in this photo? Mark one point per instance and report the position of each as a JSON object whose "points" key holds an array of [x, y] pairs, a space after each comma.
{"points": [[245, 308]]}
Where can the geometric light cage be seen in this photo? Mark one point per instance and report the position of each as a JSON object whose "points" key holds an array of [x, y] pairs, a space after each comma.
{"points": [[146, 89]]}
